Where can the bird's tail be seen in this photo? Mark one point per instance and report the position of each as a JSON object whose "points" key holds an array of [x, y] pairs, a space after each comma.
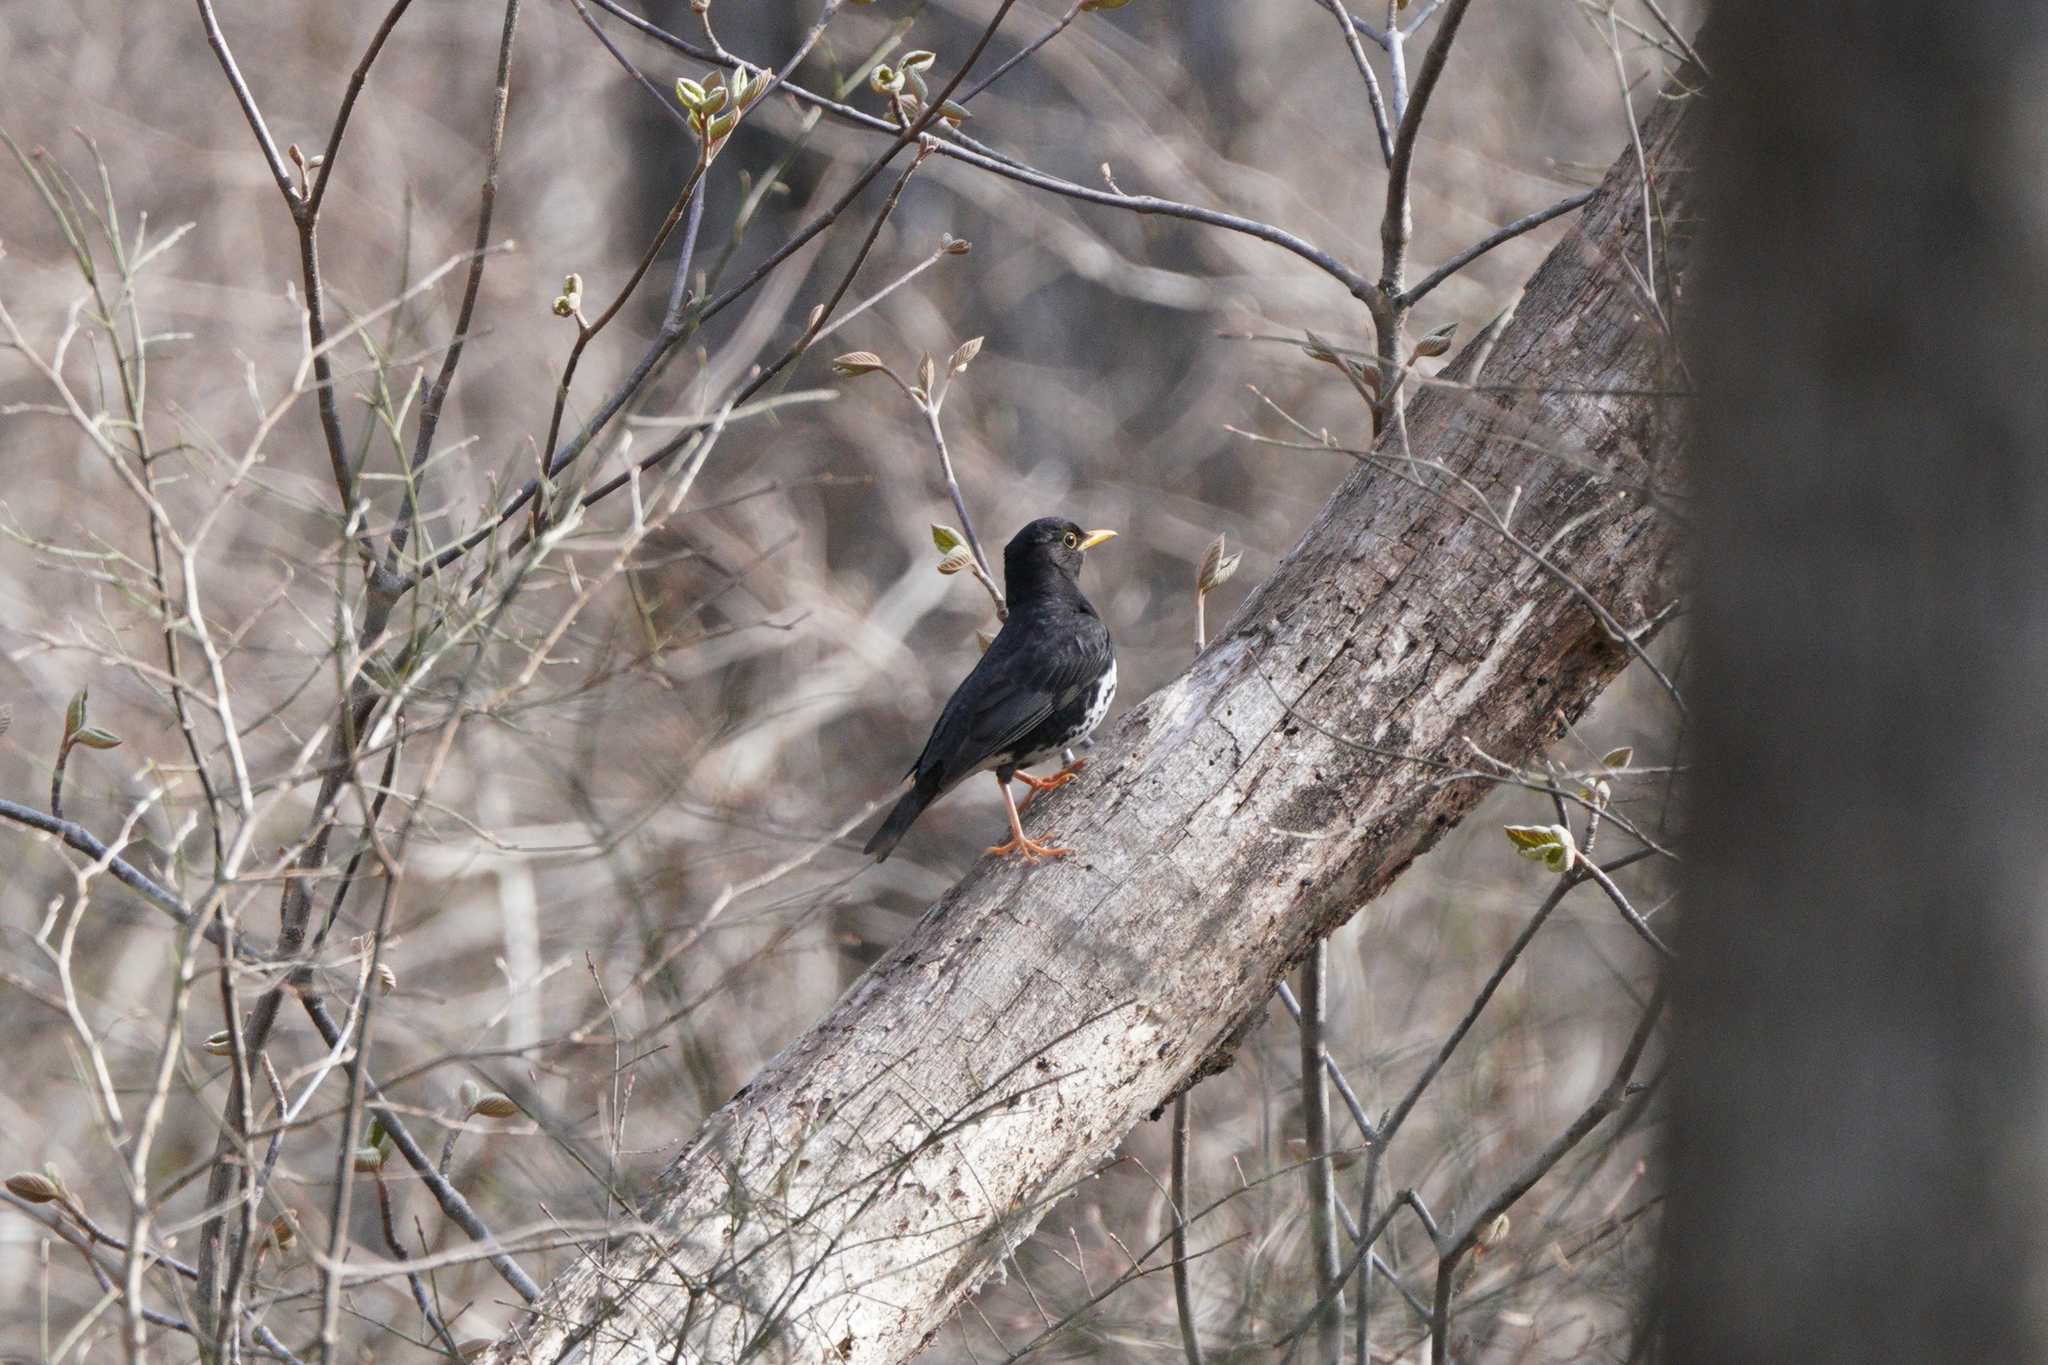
{"points": [[899, 822]]}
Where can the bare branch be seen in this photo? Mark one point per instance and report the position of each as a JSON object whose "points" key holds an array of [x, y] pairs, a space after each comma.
{"points": [[1527, 223], [219, 43]]}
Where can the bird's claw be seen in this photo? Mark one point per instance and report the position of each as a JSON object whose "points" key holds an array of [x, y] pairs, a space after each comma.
{"points": [[1031, 849]]}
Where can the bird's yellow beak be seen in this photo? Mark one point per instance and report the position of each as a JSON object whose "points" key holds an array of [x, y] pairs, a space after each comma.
{"points": [[1095, 538]]}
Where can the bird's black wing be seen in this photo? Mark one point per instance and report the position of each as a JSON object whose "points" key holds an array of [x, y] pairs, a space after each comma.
{"points": [[1025, 677]]}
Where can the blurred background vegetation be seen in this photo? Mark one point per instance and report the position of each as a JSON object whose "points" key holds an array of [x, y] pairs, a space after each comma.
{"points": [[772, 662]]}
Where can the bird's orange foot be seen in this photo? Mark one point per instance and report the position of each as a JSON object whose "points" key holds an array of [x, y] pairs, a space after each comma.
{"points": [[1048, 784], [1031, 849]]}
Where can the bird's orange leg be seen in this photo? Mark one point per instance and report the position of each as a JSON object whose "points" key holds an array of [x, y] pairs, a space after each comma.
{"points": [[1047, 784], [1019, 841]]}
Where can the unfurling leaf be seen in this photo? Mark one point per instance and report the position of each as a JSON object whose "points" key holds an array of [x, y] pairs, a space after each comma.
{"points": [[954, 246], [1216, 568], [946, 538], [34, 1188], [984, 639], [856, 362], [1550, 845], [92, 737], [1365, 379], [689, 94], [885, 80], [220, 1044], [1618, 758], [6, 718], [956, 561], [467, 1094], [954, 112], [74, 715], [387, 980], [917, 60], [927, 373], [496, 1106], [965, 355], [284, 1230], [368, 1159], [744, 84], [1495, 1232], [1436, 343]]}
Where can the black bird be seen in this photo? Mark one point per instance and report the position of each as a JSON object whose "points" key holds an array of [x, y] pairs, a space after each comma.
{"points": [[1043, 686]]}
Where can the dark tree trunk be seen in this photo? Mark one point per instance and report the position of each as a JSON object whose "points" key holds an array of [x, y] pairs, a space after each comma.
{"points": [[1858, 1143]]}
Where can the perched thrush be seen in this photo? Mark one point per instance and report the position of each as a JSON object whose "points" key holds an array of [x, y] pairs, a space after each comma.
{"points": [[1043, 686]]}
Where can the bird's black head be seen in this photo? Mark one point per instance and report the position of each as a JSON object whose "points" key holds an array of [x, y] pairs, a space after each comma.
{"points": [[1048, 543]]}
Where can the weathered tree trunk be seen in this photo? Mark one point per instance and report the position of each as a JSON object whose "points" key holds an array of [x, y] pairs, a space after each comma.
{"points": [[841, 1205], [1859, 1165]]}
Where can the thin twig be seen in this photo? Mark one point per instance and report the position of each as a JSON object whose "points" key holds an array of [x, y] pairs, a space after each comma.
{"points": [[1398, 224], [1319, 1178], [437, 393], [446, 1195], [348, 104], [1183, 1290], [1455, 1246], [219, 43], [1021, 54], [1352, 27], [1143, 204], [1527, 223]]}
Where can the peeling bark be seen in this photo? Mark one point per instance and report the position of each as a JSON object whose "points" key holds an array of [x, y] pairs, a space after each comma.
{"points": [[839, 1207]]}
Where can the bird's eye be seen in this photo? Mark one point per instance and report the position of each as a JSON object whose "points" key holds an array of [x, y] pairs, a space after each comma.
{"points": [[1071, 539]]}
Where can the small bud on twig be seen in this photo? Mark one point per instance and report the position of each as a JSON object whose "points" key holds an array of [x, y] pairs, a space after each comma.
{"points": [[495, 1106], [1435, 343], [1217, 567], [34, 1188]]}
